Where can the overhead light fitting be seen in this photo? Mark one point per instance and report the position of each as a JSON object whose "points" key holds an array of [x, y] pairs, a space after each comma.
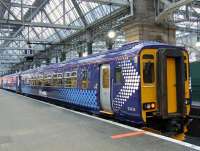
{"points": [[85, 54], [111, 34]]}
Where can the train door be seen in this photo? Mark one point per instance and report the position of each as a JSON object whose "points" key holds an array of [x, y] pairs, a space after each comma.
{"points": [[105, 86], [171, 85]]}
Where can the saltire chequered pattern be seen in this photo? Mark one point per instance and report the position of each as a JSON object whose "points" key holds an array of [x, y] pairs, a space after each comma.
{"points": [[131, 84], [85, 98]]}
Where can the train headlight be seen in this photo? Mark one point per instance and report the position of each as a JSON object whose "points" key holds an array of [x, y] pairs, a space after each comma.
{"points": [[153, 106], [149, 106]]}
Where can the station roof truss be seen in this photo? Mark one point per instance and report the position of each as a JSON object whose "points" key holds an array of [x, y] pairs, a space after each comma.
{"points": [[54, 21], [185, 14]]}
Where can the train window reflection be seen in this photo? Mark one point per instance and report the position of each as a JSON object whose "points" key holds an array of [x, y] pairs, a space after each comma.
{"points": [[84, 79], [148, 72], [74, 79], [70, 79], [59, 79], [106, 76], [67, 80], [118, 75]]}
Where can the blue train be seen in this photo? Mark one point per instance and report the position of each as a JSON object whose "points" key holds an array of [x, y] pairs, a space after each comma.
{"points": [[142, 82]]}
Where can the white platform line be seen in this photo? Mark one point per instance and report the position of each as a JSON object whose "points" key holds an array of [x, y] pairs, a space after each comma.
{"points": [[122, 125]]}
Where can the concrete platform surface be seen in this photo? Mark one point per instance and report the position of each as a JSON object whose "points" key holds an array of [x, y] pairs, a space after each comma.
{"points": [[29, 125]]}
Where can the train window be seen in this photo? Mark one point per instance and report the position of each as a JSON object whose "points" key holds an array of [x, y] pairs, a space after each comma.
{"points": [[67, 80], [84, 79], [74, 79], [34, 81], [148, 56], [49, 80], [185, 66], [54, 80], [67, 74], [106, 78], [45, 76], [28, 81], [84, 75], [55, 76], [59, 80], [118, 75], [45, 82], [148, 72], [74, 74], [39, 80]]}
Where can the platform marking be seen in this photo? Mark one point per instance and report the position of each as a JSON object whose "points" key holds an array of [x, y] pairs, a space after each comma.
{"points": [[130, 134], [124, 126]]}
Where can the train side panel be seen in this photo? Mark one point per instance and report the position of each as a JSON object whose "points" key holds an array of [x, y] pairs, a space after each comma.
{"points": [[124, 87], [80, 94], [126, 92]]}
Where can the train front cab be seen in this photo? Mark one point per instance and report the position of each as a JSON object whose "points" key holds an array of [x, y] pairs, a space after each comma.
{"points": [[165, 94]]}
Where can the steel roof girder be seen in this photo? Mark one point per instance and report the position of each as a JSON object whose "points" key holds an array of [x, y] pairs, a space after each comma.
{"points": [[80, 13], [39, 24], [13, 4], [9, 11], [29, 16], [21, 39], [171, 8], [56, 31], [113, 2]]}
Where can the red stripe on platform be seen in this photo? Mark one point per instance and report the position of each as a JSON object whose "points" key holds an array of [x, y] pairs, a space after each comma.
{"points": [[132, 134]]}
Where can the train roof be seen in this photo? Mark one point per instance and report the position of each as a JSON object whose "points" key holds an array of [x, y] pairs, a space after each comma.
{"points": [[129, 48], [132, 47]]}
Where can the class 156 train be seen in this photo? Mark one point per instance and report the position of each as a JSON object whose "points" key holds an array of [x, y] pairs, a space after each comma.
{"points": [[146, 83]]}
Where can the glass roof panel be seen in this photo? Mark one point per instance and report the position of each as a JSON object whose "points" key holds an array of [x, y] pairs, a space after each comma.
{"points": [[27, 2], [94, 11], [86, 6], [31, 34], [55, 9]]}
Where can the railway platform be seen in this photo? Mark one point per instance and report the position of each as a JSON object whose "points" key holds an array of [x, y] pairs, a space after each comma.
{"points": [[30, 125], [195, 116]]}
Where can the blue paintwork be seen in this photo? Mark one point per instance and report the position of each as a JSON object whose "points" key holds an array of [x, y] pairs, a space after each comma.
{"points": [[125, 97]]}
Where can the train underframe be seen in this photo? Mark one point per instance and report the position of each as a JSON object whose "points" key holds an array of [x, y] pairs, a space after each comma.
{"points": [[175, 127]]}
